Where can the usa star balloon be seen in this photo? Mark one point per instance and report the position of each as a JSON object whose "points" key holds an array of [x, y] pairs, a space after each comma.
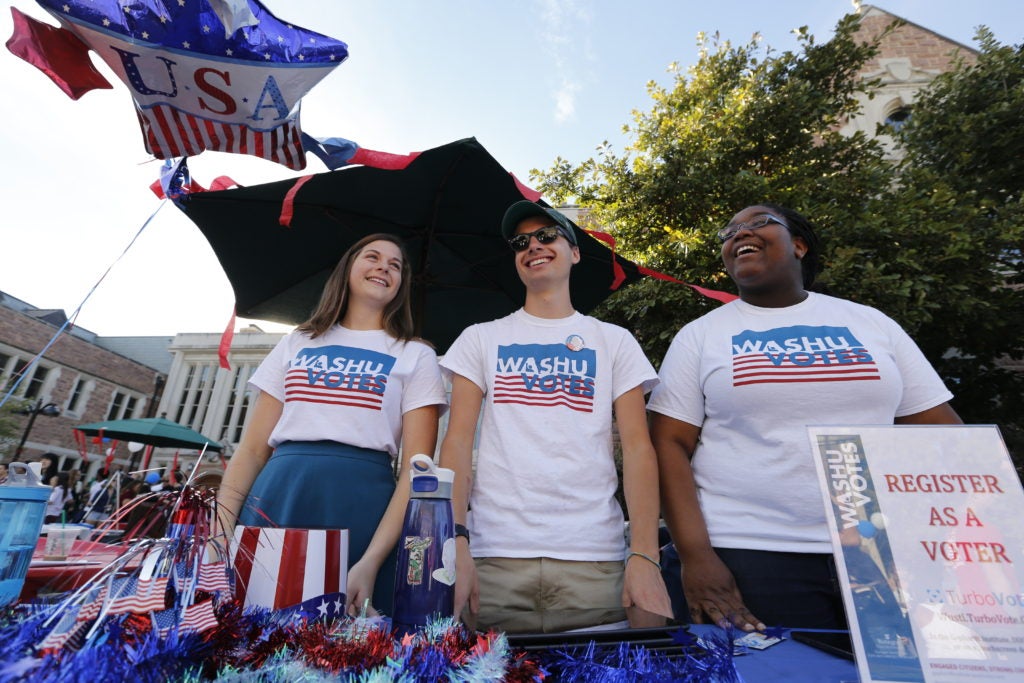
{"points": [[221, 75]]}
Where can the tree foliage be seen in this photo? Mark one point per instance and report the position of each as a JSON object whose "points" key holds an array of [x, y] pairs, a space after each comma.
{"points": [[8, 427], [934, 242], [961, 187]]}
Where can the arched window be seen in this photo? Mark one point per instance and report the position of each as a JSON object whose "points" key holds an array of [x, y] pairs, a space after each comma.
{"points": [[897, 119]]}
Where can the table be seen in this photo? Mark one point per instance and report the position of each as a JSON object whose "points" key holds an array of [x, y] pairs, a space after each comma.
{"points": [[789, 662], [786, 662], [86, 559]]}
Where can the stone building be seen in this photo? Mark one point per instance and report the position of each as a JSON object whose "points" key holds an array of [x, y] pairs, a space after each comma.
{"points": [[212, 400], [80, 377], [909, 58]]}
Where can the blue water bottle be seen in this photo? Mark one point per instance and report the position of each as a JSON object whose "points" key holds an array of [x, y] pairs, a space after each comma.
{"points": [[22, 507], [425, 575]]}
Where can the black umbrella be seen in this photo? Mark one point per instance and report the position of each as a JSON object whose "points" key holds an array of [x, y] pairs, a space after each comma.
{"points": [[446, 206], [152, 431]]}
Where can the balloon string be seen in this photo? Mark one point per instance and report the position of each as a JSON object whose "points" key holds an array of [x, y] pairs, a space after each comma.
{"points": [[70, 321]]}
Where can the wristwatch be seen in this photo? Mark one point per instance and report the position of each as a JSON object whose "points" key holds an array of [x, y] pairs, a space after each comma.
{"points": [[460, 530]]}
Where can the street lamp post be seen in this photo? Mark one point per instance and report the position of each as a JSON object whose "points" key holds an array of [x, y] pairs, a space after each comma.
{"points": [[33, 410]]}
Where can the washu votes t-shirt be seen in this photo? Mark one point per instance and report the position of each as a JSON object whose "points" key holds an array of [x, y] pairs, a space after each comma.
{"points": [[349, 386], [545, 478], [754, 378]]}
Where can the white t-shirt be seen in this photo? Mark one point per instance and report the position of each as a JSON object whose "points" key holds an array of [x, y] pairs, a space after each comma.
{"points": [[545, 474], [753, 378], [349, 386], [56, 502]]}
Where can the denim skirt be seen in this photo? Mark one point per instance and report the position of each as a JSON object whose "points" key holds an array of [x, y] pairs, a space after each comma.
{"points": [[327, 485]]}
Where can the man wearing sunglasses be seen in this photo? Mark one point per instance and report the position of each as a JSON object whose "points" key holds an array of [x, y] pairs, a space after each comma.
{"points": [[546, 530]]}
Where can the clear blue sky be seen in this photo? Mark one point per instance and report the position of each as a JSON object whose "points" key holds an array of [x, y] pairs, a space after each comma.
{"points": [[532, 80]]}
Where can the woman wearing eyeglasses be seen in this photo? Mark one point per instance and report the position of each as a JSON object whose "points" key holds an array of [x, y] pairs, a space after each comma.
{"points": [[739, 490]]}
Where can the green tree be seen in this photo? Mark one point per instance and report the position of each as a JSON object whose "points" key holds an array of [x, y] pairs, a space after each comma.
{"points": [[962, 181], [745, 124], [934, 242]]}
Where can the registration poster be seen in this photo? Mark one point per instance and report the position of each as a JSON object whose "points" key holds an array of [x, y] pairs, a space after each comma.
{"points": [[927, 524]]}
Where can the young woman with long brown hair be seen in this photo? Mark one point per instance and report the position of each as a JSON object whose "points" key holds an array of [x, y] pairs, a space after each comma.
{"points": [[340, 397]]}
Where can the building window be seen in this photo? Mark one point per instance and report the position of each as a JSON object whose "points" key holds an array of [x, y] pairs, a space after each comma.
{"points": [[6, 371], [238, 405], [242, 412], [195, 394], [116, 406], [35, 384], [122, 406], [15, 370], [76, 395], [32, 387], [897, 119], [186, 388]]}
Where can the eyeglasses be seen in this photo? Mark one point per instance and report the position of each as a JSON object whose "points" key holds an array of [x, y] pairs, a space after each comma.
{"points": [[545, 235], [730, 230]]}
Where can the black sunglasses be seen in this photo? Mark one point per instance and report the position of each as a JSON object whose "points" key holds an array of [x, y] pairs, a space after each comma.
{"points": [[545, 235]]}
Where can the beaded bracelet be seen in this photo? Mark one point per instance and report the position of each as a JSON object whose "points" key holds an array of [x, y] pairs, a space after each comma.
{"points": [[645, 556]]}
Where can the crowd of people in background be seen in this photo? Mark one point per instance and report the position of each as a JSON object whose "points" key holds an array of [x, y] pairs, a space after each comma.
{"points": [[75, 497]]}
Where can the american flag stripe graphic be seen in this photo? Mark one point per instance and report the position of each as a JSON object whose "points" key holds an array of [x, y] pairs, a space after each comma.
{"points": [[514, 389], [174, 133], [293, 562], [278, 568], [247, 541], [298, 388], [760, 368]]}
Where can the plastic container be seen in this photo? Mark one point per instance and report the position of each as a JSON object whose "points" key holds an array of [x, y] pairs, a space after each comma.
{"points": [[22, 507], [59, 542], [425, 575]]}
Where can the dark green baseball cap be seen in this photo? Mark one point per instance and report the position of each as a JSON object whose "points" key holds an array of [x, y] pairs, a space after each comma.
{"points": [[524, 209]]}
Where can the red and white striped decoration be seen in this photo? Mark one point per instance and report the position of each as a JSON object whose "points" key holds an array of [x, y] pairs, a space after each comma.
{"points": [[278, 568], [199, 617]]}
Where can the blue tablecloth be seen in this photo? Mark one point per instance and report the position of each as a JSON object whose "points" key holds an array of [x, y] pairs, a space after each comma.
{"points": [[790, 662]]}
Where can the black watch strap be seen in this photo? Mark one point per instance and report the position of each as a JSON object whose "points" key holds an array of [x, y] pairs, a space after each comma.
{"points": [[460, 530]]}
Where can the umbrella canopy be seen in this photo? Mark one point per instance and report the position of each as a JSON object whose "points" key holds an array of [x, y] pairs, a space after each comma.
{"points": [[152, 431], [446, 206]]}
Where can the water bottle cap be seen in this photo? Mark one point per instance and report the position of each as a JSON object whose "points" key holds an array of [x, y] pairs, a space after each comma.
{"points": [[23, 474], [427, 480]]}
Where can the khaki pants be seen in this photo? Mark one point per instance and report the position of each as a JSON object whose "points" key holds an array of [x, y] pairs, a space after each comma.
{"points": [[544, 595]]}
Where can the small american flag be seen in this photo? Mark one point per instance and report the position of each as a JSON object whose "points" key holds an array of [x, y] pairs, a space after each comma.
{"points": [[213, 577], [165, 621], [183, 572], [68, 632], [199, 617], [92, 602], [132, 594]]}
